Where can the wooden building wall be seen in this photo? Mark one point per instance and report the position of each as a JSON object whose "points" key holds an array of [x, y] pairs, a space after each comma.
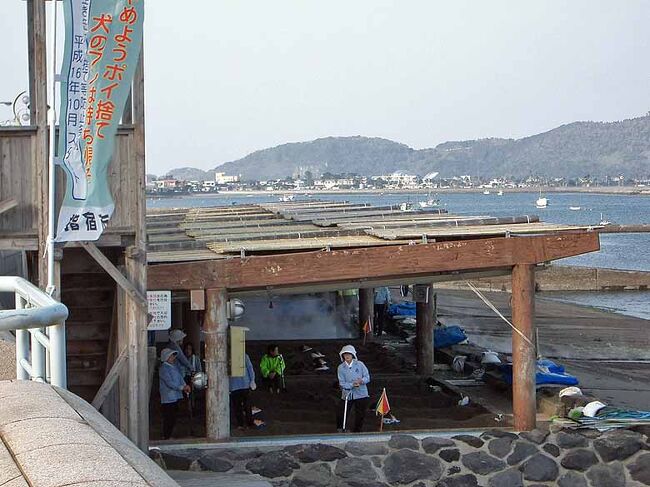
{"points": [[18, 179]]}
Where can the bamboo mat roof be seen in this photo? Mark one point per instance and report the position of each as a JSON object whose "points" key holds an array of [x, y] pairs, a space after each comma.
{"points": [[181, 235]]}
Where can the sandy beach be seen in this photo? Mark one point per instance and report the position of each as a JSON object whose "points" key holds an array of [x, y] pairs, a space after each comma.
{"points": [[608, 352]]}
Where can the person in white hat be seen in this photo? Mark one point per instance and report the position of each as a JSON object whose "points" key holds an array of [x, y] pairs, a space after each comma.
{"points": [[353, 378], [172, 387], [176, 337]]}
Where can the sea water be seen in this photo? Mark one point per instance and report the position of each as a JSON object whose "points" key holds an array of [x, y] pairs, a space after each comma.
{"points": [[628, 251]]}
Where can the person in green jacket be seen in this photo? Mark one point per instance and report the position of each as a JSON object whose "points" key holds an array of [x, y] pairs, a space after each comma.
{"points": [[272, 367]]}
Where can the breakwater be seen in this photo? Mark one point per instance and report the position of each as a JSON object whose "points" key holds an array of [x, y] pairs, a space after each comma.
{"points": [[566, 278]]}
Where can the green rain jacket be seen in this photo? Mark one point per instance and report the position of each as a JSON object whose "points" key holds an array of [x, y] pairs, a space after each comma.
{"points": [[272, 364]]}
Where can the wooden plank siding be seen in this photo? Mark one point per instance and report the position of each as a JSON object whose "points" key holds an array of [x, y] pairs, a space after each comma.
{"points": [[18, 173]]}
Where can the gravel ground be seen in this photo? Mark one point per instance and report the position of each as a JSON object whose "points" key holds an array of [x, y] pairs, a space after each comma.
{"points": [[7, 357]]}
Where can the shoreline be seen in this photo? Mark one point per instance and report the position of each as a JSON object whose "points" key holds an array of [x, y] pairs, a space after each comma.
{"points": [[606, 190]]}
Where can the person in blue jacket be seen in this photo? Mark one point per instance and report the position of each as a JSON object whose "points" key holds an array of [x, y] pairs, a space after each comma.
{"points": [[353, 378], [176, 338], [172, 387], [239, 387]]}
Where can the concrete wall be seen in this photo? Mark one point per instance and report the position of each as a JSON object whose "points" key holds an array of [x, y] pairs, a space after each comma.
{"points": [[50, 437], [566, 278]]}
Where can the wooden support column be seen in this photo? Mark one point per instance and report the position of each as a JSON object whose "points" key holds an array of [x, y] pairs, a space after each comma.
{"points": [[424, 331], [192, 327], [217, 415], [524, 402], [36, 46], [136, 272], [366, 305]]}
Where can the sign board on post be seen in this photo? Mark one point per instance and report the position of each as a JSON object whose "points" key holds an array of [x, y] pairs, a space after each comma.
{"points": [[160, 309], [238, 351]]}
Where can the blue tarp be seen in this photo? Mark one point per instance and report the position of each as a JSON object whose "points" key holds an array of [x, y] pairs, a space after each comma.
{"points": [[548, 373], [446, 336], [405, 308]]}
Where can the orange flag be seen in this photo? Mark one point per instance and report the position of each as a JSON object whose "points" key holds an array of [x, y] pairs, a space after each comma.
{"points": [[382, 405], [367, 327]]}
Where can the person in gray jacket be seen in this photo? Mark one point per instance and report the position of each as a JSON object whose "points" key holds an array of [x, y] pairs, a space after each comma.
{"points": [[172, 386], [353, 378]]}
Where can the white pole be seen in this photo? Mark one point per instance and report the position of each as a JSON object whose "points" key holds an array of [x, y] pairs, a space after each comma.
{"points": [[51, 174], [57, 351]]}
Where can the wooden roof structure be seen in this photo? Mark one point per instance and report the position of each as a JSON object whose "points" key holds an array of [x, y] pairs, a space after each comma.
{"points": [[309, 243]]}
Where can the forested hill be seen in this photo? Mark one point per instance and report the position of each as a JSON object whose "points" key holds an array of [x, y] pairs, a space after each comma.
{"points": [[572, 150]]}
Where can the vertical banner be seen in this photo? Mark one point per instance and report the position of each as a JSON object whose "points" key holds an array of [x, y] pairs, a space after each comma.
{"points": [[102, 46]]}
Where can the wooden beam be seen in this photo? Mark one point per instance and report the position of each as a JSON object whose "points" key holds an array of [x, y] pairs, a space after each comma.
{"points": [[424, 334], [113, 271], [110, 380], [7, 205], [217, 419], [369, 263], [18, 243], [524, 403]]}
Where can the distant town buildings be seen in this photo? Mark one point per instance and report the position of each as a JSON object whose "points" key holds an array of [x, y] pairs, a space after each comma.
{"points": [[399, 180]]}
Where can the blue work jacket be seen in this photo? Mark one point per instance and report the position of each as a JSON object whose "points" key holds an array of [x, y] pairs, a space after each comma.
{"points": [[171, 383], [347, 375], [182, 363], [382, 295], [238, 383]]}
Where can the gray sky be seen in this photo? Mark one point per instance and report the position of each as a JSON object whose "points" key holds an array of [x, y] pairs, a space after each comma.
{"points": [[224, 78]]}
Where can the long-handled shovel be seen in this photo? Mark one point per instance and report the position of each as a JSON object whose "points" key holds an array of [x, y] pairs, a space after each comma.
{"points": [[284, 386], [345, 411]]}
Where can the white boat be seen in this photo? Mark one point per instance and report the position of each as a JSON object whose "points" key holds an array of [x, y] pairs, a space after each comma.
{"points": [[430, 203], [575, 208], [405, 206], [487, 191], [542, 201], [500, 193], [286, 198], [604, 221]]}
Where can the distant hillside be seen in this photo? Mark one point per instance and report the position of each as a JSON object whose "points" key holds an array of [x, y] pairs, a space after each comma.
{"points": [[191, 174], [572, 150]]}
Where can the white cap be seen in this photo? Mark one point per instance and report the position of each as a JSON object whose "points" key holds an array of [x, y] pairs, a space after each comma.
{"points": [[166, 353], [592, 408], [348, 349], [570, 391], [176, 335]]}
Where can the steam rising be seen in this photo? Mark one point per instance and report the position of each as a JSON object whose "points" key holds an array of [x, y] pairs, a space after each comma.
{"points": [[298, 317]]}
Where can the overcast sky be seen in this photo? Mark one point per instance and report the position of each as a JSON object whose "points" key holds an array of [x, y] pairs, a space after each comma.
{"points": [[224, 78]]}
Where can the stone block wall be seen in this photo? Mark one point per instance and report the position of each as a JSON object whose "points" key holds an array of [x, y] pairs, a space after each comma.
{"points": [[561, 457]]}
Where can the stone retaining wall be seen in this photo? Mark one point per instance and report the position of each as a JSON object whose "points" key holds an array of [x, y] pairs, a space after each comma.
{"points": [[494, 459]]}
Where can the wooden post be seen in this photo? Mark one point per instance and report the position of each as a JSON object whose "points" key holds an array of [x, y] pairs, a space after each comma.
{"points": [[217, 415], [424, 333], [36, 45], [136, 272], [524, 402], [366, 305], [192, 327]]}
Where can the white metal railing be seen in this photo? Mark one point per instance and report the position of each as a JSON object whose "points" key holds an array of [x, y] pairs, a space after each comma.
{"points": [[39, 323]]}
